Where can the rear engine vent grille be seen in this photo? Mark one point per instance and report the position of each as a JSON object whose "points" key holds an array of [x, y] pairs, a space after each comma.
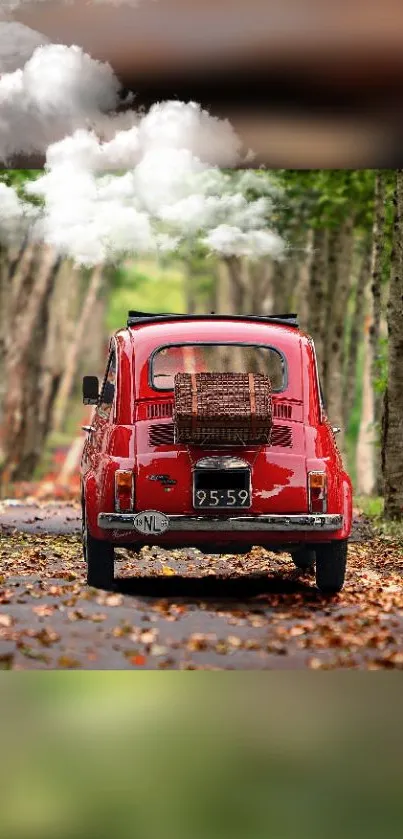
{"points": [[156, 410], [162, 434], [282, 410], [281, 436]]}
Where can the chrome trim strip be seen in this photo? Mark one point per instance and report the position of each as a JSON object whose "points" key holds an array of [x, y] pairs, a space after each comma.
{"points": [[224, 462], [288, 524]]}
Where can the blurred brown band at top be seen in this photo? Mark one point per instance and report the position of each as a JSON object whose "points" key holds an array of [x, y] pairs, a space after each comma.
{"points": [[177, 35], [288, 143], [304, 85]]}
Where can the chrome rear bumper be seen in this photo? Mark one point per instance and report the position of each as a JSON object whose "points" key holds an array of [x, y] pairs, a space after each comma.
{"points": [[207, 524]]}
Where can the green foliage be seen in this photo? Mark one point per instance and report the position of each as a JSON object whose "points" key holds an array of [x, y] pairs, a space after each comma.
{"points": [[381, 380], [389, 180], [18, 178], [147, 286], [254, 748], [326, 197], [371, 506]]}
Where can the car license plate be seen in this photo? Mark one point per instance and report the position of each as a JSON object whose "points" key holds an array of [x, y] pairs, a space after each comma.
{"points": [[221, 498]]}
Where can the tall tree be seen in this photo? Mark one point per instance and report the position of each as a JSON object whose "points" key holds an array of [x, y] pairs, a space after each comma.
{"points": [[340, 265], [26, 294], [392, 435], [359, 304], [73, 351], [376, 265], [317, 293], [365, 460]]}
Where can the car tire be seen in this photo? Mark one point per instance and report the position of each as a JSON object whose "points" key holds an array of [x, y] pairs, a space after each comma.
{"points": [[99, 557], [303, 558], [331, 561]]}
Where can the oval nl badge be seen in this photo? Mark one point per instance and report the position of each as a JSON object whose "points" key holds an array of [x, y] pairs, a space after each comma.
{"points": [[151, 523]]}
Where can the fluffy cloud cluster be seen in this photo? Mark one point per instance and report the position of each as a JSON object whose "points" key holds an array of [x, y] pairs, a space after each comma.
{"points": [[17, 44], [58, 90], [124, 183]]}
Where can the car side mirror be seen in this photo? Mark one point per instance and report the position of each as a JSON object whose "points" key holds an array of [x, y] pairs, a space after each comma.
{"points": [[90, 390]]}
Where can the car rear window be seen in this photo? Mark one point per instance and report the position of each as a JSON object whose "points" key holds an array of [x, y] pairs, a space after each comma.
{"points": [[217, 358]]}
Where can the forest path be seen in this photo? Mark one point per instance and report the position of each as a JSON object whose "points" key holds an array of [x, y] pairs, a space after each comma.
{"points": [[186, 610]]}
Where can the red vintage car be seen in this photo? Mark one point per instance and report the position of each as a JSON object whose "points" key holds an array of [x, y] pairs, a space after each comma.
{"points": [[142, 487]]}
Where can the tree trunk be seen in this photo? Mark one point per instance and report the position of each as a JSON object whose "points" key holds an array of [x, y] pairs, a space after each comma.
{"points": [[223, 302], [350, 388], [4, 295], [333, 252], [14, 272], [72, 358], [376, 267], [190, 289], [365, 461], [379, 397], [262, 274], [249, 279], [236, 284], [71, 464], [93, 358], [376, 313], [317, 294], [340, 262], [31, 286], [301, 285], [285, 279], [249, 287], [392, 437], [15, 282], [62, 317]]}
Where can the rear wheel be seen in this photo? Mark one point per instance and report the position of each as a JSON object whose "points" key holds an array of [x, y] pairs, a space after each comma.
{"points": [[303, 558], [99, 557], [331, 561]]}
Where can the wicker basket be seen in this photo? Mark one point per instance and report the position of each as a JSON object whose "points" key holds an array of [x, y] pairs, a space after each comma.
{"points": [[222, 408]]}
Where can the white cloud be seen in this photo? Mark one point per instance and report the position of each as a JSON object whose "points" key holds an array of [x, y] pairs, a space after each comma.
{"points": [[212, 139], [227, 240], [17, 43], [62, 102], [168, 195], [58, 89]]}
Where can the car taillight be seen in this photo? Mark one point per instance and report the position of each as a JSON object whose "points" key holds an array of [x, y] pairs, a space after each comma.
{"points": [[317, 492], [124, 490]]}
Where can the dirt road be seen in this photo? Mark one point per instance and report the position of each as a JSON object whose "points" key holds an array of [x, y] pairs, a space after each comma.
{"points": [[185, 610]]}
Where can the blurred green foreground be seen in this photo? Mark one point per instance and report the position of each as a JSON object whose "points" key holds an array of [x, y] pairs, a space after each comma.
{"points": [[200, 756]]}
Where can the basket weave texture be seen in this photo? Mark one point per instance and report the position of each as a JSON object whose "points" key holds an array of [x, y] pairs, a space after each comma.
{"points": [[222, 408]]}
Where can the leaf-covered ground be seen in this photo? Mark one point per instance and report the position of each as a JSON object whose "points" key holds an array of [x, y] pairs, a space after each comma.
{"points": [[185, 610]]}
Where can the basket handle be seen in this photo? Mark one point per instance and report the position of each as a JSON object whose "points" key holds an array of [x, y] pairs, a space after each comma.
{"points": [[194, 400], [252, 393], [252, 396]]}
